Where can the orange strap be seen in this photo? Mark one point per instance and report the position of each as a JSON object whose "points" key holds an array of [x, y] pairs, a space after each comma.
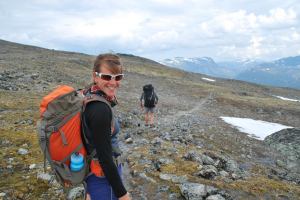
{"points": [[96, 168]]}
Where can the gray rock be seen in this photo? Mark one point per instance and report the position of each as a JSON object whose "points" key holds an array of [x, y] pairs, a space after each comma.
{"points": [[5, 142], [10, 160], [231, 166], [45, 176], [143, 175], [166, 136], [287, 143], [195, 191], [193, 156], [22, 151], [75, 193], [165, 177], [129, 141], [215, 197], [2, 194], [280, 163], [165, 161], [32, 166], [207, 160], [179, 179], [224, 173], [175, 196], [163, 188], [173, 178], [156, 141], [208, 171]]}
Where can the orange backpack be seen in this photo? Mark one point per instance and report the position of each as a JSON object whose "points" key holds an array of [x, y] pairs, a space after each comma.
{"points": [[59, 131]]}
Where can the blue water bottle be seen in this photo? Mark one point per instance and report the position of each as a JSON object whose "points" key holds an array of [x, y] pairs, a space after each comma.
{"points": [[76, 162]]}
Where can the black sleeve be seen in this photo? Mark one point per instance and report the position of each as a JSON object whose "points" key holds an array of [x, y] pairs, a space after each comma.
{"points": [[98, 117]]}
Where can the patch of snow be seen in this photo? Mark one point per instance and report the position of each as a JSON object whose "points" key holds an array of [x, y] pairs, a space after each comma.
{"points": [[208, 79], [255, 128], [287, 99]]}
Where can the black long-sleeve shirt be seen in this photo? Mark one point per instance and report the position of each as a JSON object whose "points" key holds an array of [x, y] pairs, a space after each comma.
{"points": [[98, 117]]}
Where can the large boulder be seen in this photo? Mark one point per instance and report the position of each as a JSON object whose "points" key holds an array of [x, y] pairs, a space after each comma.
{"points": [[287, 142]]}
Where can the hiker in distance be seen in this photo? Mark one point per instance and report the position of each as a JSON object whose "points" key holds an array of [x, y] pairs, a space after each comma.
{"points": [[105, 182], [148, 102]]}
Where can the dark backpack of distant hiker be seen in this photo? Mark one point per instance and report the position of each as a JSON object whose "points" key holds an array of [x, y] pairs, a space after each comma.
{"points": [[149, 96], [60, 134]]}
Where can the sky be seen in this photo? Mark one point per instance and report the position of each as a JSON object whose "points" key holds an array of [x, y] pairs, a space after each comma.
{"points": [[157, 29], [254, 128]]}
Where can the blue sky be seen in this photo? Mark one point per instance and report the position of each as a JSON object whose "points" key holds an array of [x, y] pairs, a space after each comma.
{"points": [[157, 29]]}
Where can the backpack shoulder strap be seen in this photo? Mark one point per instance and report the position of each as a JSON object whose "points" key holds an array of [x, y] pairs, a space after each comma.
{"points": [[95, 97]]}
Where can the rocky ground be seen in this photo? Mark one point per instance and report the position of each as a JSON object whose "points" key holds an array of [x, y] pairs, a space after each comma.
{"points": [[190, 154]]}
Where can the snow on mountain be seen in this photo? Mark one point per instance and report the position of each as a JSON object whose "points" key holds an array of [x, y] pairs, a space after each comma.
{"points": [[284, 72]]}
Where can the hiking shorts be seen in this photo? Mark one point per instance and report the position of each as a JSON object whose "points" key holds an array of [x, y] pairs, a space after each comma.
{"points": [[99, 187], [149, 110]]}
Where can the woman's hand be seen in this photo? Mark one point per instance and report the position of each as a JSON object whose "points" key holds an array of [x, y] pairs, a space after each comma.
{"points": [[125, 197]]}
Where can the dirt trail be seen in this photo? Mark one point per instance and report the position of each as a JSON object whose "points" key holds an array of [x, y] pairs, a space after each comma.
{"points": [[172, 118]]}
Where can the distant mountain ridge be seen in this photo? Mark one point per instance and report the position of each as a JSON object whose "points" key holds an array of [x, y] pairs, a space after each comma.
{"points": [[204, 65], [284, 72]]}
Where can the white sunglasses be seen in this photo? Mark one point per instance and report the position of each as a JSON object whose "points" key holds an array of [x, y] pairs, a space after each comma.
{"points": [[108, 77]]}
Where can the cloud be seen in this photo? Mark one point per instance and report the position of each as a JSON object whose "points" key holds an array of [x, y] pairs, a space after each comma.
{"points": [[278, 17], [157, 28]]}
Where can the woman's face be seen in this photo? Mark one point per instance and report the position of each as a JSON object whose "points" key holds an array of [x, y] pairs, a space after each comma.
{"points": [[108, 87]]}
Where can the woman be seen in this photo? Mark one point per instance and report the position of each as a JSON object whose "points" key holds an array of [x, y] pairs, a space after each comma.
{"points": [[105, 183]]}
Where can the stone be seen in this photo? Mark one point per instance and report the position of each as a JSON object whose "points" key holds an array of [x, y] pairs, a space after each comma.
{"points": [[193, 156], [231, 166], [215, 197], [179, 179], [165, 177], [208, 171], [129, 141], [32, 166], [44, 176], [163, 188], [165, 161], [156, 141], [143, 175], [75, 193], [280, 163], [195, 191], [287, 143], [207, 160], [22, 151], [223, 173], [173, 178]]}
